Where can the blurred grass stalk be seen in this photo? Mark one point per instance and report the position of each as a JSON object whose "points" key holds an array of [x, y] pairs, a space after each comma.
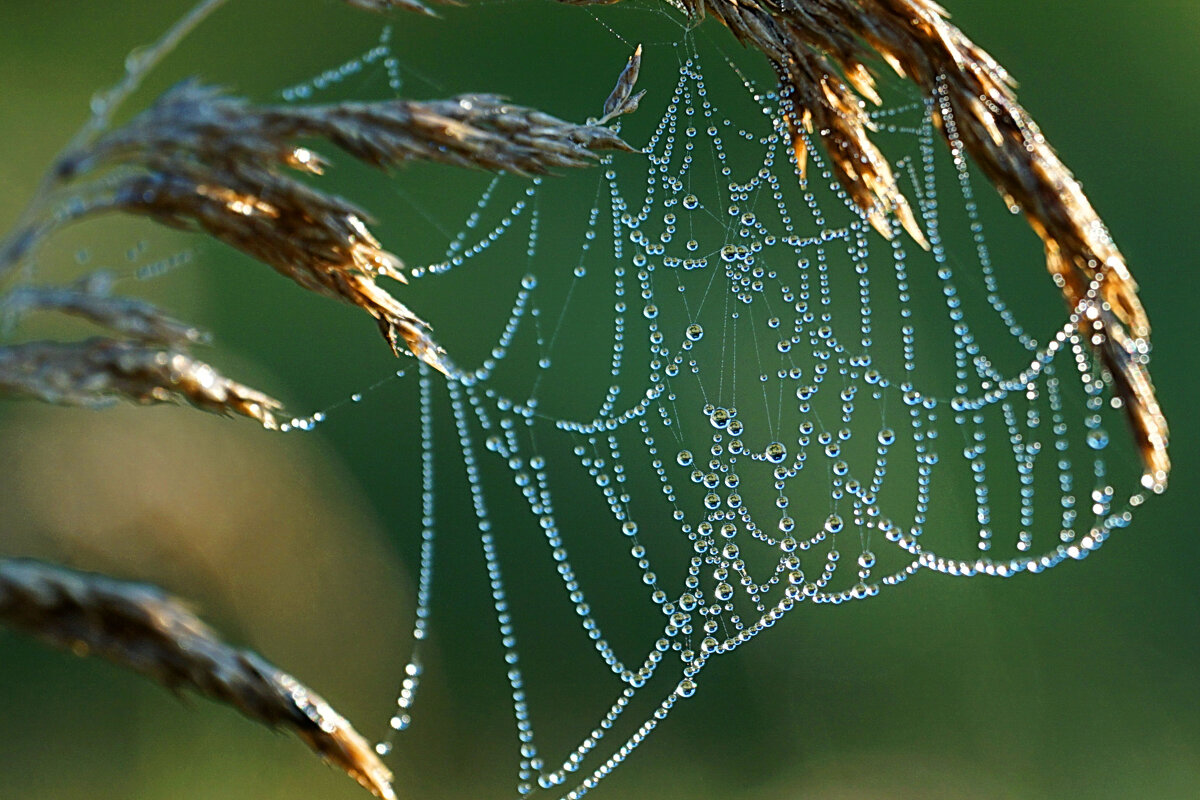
{"points": [[140, 627]]}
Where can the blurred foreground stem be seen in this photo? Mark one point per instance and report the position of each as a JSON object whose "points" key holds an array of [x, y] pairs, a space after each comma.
{"points": [[141, 627]]}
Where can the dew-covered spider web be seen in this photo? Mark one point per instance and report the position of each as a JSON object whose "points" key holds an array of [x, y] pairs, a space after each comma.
{"points": [[705, 358]]}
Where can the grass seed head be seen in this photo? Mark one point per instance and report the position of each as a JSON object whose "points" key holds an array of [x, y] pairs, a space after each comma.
{"points": [[141, 627], [821, 50], [99, 371]]}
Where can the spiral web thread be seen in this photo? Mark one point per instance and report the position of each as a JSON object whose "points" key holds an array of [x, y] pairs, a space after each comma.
{"points": [[794, 411]]}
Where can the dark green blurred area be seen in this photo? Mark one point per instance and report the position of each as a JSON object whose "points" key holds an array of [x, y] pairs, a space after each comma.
{"points": [[1081, 682]]}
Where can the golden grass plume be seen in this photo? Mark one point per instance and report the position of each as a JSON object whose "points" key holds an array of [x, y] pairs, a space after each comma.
{"points": [[822, 50], [99, 371], [90, 297], [201, 158]]}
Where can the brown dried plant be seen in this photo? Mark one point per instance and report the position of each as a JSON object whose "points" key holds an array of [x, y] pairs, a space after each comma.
{"points": [[91, 298], [822, 51], [812, 42], [622, 99], [150, 366], [140, 627], [99, 371], [199, 158], [202, 159]]}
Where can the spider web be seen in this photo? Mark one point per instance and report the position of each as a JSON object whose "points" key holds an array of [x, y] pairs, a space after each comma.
{"points": [[705, 357]]}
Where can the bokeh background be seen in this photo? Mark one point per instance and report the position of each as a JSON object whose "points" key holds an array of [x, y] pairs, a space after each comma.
{"points": [[1082, 682]]}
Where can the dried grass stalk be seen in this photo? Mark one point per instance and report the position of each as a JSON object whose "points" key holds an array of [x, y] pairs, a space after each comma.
{"points": [[90, 298], [318, 240], [622, 100], [485, 131], [28, 233], [816, 100], [99, 371], [200, 158], [821, 50], [139, 626]]}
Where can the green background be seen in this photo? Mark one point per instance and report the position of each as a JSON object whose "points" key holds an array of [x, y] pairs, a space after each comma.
{"points": [[1079, 683]]}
